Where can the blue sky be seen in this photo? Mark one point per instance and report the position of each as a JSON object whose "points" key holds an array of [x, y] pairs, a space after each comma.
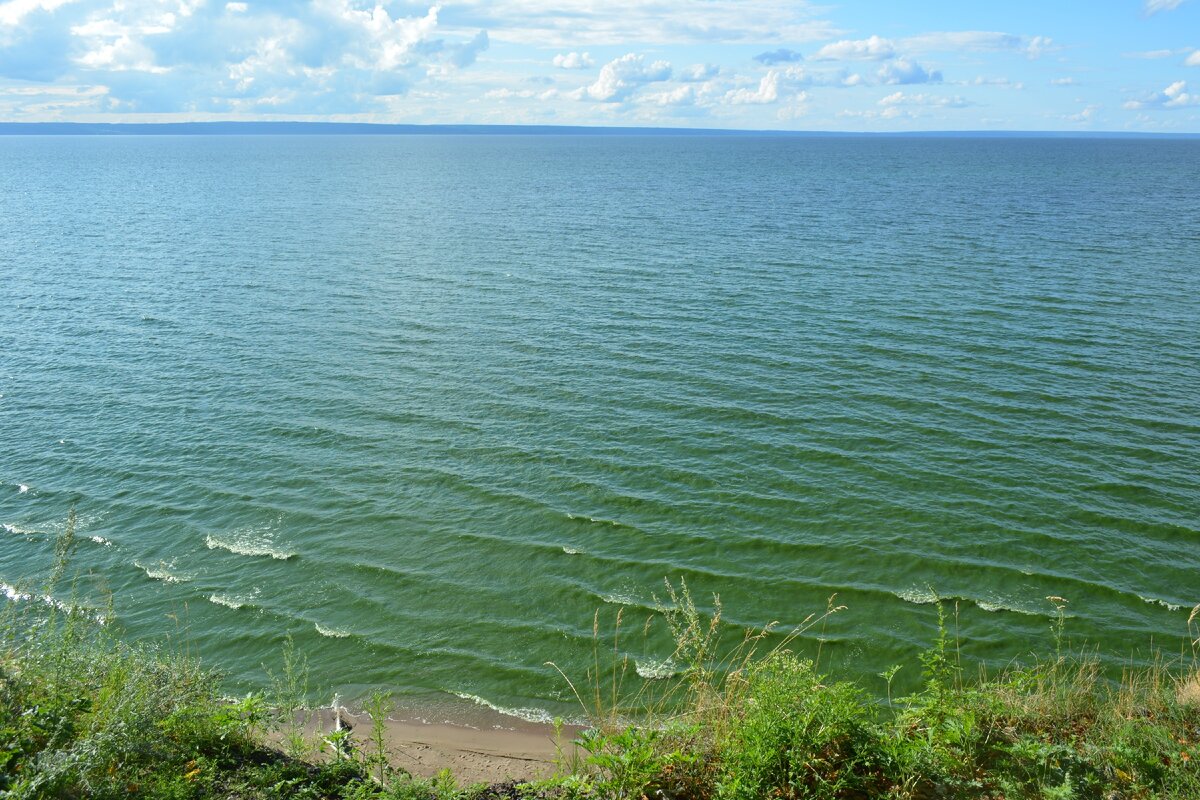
{"points": [[763, 64]]}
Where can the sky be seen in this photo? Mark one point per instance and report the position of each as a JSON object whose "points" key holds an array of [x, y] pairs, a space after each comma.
{"points": [[861, 65]]}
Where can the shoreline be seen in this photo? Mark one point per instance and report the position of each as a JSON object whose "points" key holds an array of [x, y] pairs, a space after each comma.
{"points": [[499, 748]]}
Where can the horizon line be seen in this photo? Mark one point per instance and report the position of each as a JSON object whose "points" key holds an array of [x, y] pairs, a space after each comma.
{"points": [[261, 127]]}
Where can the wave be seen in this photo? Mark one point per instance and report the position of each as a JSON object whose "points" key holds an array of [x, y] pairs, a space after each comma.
{"points": [[656, 670], [100, 540], [233, 601], [621, 599], [22, 488], [162, 572], [598, 521], [16, 530], [15, 595], [536, 715], [918, 595], [1155, 601], [332, 633], [571, 551], [247, 547], [1011, 606], [993, 604]]}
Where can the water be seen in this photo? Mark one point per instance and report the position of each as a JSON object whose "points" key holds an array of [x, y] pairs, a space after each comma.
{"points": [[428, 403]]}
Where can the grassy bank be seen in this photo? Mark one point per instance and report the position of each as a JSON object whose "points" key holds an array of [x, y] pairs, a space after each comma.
{"points": [[82, 714]]}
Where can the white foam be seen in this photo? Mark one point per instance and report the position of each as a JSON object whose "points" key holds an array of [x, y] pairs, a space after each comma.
{"points": [[621, 599], [15, 530], [162, 572], [225, 600], [17, 596], [100, 540], [332, 633], [1155, 601], [656, 670], [233, 601], [528, 714], [246, 547], [918, 595], [993, 604], [22, 488], [1002, 604], [257, 541], [571, 551]]}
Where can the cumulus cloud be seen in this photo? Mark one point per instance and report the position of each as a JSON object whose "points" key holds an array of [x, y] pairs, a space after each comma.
{"points": [[622, 76], [573, 60], [12, 12], [767, 92], [698, 72], [1174, 96], [780, 56], [904, 72], [679, 96], [1193, 60], [871, 49], [324, 56]]}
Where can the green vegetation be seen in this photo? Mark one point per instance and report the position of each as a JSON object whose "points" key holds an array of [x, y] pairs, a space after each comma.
{"points": [[82, 714]]}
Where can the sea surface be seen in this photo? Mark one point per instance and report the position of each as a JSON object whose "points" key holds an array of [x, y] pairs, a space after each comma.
{"points": [[428, 404]]}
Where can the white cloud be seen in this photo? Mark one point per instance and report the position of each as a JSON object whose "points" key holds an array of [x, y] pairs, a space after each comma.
{"points": [[1068, 81], [679, 96], [767, 92], [1154, 6], [796, 109], [902, 71], [12, 12], [973, 41], [523, 94], [1003, 83], [575, 23], [1038, 46], [929, 100], [698, 72], [1151, 54], [1174, 96], [573, 60], [236, 8], [1085, 116], [871, 49], [622, 76], [1193, 60]]}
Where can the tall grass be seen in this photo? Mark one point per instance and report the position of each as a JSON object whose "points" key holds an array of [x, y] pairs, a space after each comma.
{"points": [[764, 722]]}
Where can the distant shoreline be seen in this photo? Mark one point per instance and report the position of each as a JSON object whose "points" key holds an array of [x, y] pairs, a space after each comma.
{"points": [[376, 129]]}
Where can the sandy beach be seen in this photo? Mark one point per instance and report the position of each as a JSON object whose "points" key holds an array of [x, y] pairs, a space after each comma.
{"points": [[489, 748]]}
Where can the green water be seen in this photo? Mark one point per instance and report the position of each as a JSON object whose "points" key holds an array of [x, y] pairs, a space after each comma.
{"points": [[427, 403]]}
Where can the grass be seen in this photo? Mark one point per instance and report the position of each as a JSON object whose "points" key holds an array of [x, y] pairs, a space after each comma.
{"points": [[84, 715], [771, 725]]}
